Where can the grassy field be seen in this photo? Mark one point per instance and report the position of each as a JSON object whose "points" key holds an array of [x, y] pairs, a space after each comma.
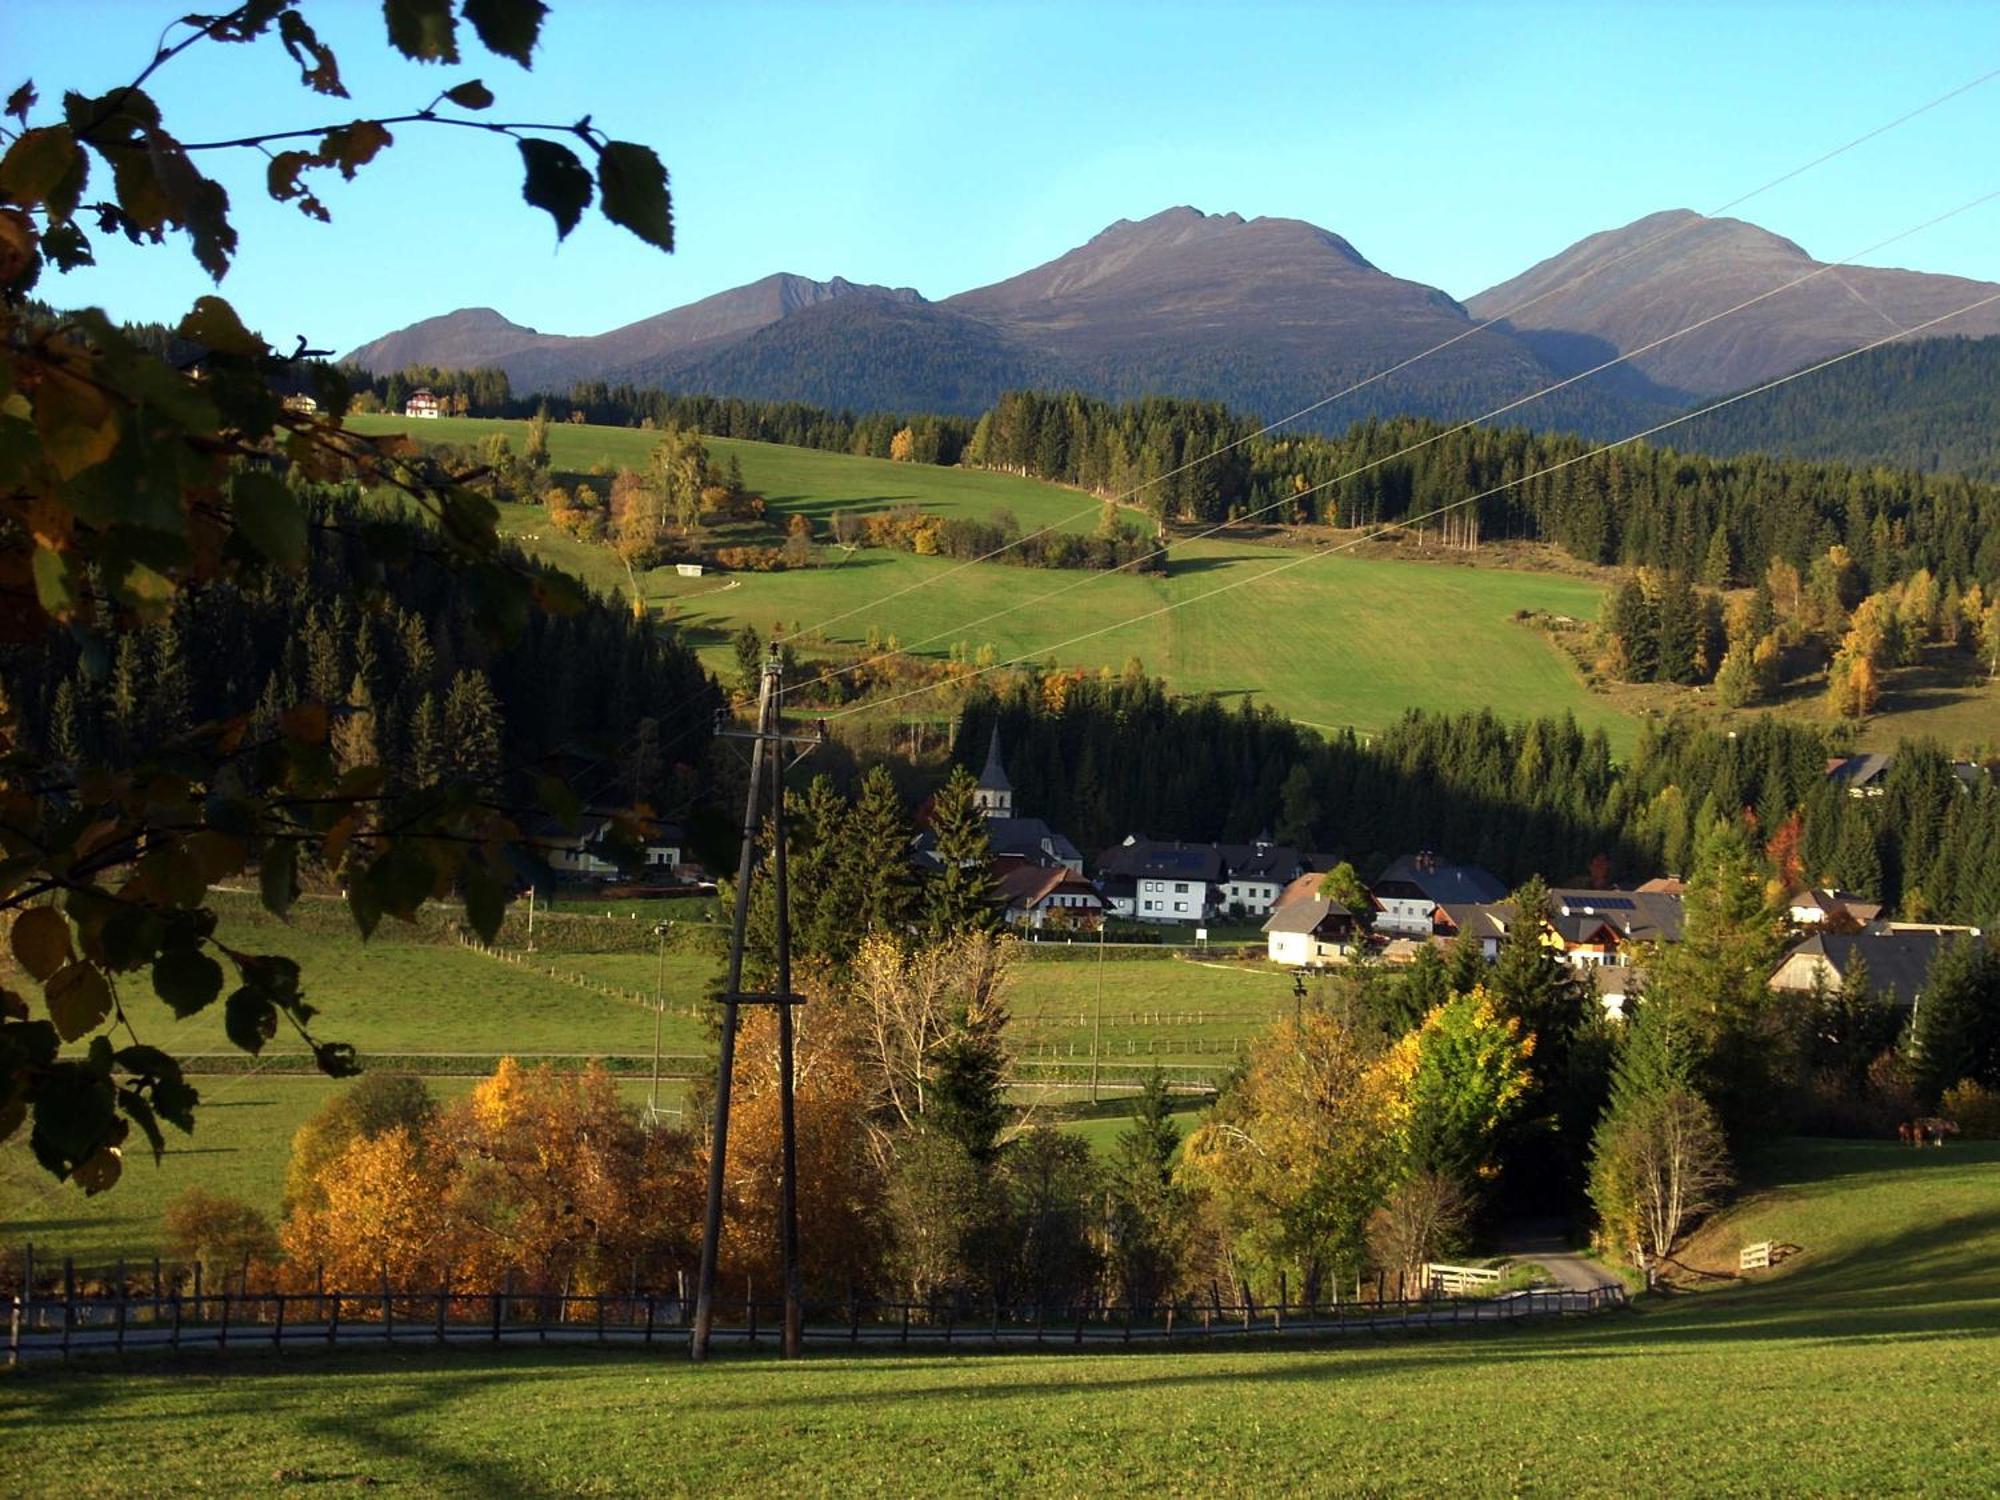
{"points": [[1350, 654], [1863, 1366]]}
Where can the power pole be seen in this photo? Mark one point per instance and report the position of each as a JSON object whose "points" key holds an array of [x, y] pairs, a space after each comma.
{"points": [[767, 733]]}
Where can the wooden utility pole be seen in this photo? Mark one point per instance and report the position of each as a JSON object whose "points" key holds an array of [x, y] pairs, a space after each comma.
{"points": [[767, 746]]}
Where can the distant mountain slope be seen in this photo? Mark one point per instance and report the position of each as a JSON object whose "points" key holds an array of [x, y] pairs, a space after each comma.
{"points": [[1636, 291], [660, 343], [865, 354], [1932, 404]]}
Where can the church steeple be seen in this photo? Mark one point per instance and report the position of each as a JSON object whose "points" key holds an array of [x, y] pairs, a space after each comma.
{"points": [[995, 793]]}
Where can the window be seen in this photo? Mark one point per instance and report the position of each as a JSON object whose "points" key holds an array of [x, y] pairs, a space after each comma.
{"points": [[1180, 906], [1180, 889]]}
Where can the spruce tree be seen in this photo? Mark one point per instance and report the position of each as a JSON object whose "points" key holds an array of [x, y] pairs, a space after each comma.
{"points": [[962, 895], [877, 858], [473, 729]]}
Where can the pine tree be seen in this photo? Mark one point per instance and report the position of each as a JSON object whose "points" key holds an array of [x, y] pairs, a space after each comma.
{"points": [[473, 729], [125, 703], [355, 743], [1680, 638], [66, 742], [1635, 625], [962, 895], [877, 857], [427, 746]]}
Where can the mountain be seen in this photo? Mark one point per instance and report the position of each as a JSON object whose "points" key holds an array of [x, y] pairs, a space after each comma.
{"points": [[1930, 404], [650, 349], [1665, 271]]}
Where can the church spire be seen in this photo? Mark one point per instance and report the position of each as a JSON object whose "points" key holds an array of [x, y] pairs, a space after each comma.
{"points": [[995, 794]]}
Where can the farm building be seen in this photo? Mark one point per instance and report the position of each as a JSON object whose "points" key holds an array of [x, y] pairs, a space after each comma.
{"points": [[1409, 892], [423, 403], [1039, 897], [1897, 963], [1308, 930]]}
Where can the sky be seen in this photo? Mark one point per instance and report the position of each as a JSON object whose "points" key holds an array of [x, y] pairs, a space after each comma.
{"points": [[945, 146]]}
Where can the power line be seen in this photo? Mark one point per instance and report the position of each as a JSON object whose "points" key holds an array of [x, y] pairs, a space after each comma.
{"points": [[1353, 542], [1830, 267], [1681, 228]]}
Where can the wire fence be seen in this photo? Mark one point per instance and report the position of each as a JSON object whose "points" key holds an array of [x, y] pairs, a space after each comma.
{"points": [[174, 1320]]}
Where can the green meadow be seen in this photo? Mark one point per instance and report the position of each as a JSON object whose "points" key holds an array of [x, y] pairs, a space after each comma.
{"points": [[1336, 641], [1862, 1365]]}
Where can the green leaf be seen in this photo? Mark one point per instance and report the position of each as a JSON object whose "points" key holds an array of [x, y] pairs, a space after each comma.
{"points": [[250, 1020], [633, 186], [79, 999], [269, 516], [278, 876], [213, 324], [41, 941], [187, 979], [137, 1109], [422, 30], [508, 27], [37, 164], [472, 94], [75, 1116], [485, 901], [557, 182]]}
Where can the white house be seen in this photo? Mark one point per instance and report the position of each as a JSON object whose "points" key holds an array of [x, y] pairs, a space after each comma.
{"points": [[1041, 896], [1309, 931], [1255, 876], [423, 403], [1408, 893], [582, 853], [1170, 882]]}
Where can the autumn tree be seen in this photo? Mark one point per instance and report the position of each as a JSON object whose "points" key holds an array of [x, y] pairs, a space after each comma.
{"points": [[1294, 1156], [198, 1227], [130, 478]]}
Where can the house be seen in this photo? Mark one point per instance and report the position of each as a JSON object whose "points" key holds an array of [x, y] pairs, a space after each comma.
{"points": [[1308, 930], [583, 851], [1409, 892], [1860, 775], [423, 403], [305, 405], [1039, 897], [1171, 882], [1820, 907], [688, 570], [1589, 929], [1255, 876], [1897, 963], [1616, 984]]}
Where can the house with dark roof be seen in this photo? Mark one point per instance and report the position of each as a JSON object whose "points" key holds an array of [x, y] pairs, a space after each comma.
{"points": [[1255, 876], [1171, 881], [1308, 930], [1859, 775], [1409, 892], [1898, 964], [1589, 928]]}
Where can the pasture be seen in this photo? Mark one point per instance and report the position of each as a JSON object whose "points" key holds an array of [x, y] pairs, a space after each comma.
{"points": [[1338, 641], [1863, 1365], [410, 999]]}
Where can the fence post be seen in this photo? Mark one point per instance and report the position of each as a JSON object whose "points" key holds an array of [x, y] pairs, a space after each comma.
{"points": [[121, 1310], [649, 1320], [443, 1297], [14, 1333], [222, 1328], [278, 1326], [332, 1315], [388, 1310], [906, 1325], [175, 1341], [600, 1317]]}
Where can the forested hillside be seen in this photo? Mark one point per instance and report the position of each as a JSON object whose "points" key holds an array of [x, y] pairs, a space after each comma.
{"points": [[1932, 405], [413, 682]]}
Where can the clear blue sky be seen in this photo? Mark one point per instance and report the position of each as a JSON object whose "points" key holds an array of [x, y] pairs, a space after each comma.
{"points": [[944, 146]]}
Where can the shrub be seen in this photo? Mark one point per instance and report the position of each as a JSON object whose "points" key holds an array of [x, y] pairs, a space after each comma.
{"points": [[1976, 1109], [200, 1227]]}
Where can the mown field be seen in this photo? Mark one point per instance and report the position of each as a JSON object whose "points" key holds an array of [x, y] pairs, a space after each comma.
{"points": [[1861, 1366], [1335, 642], [412, 1000]]}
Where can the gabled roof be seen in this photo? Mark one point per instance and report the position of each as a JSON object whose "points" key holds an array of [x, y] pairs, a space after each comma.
{"points": [[1445, 884], [1635, 916], [1898, 963], [994, 777], [1261, 861], [1857, 770], [1307, 910], [1153, 859]]}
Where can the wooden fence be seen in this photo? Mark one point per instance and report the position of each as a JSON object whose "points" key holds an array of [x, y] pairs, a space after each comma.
{"points": [[1459, 1281], [121, 1321]]}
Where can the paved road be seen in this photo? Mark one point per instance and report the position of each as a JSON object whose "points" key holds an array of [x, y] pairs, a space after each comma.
{"points": [[1544, 1243]]}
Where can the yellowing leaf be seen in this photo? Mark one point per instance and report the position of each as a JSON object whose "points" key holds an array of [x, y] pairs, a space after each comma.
{"points": [[79, 426], [41, 940], [79, 999], [99, 1170]]}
